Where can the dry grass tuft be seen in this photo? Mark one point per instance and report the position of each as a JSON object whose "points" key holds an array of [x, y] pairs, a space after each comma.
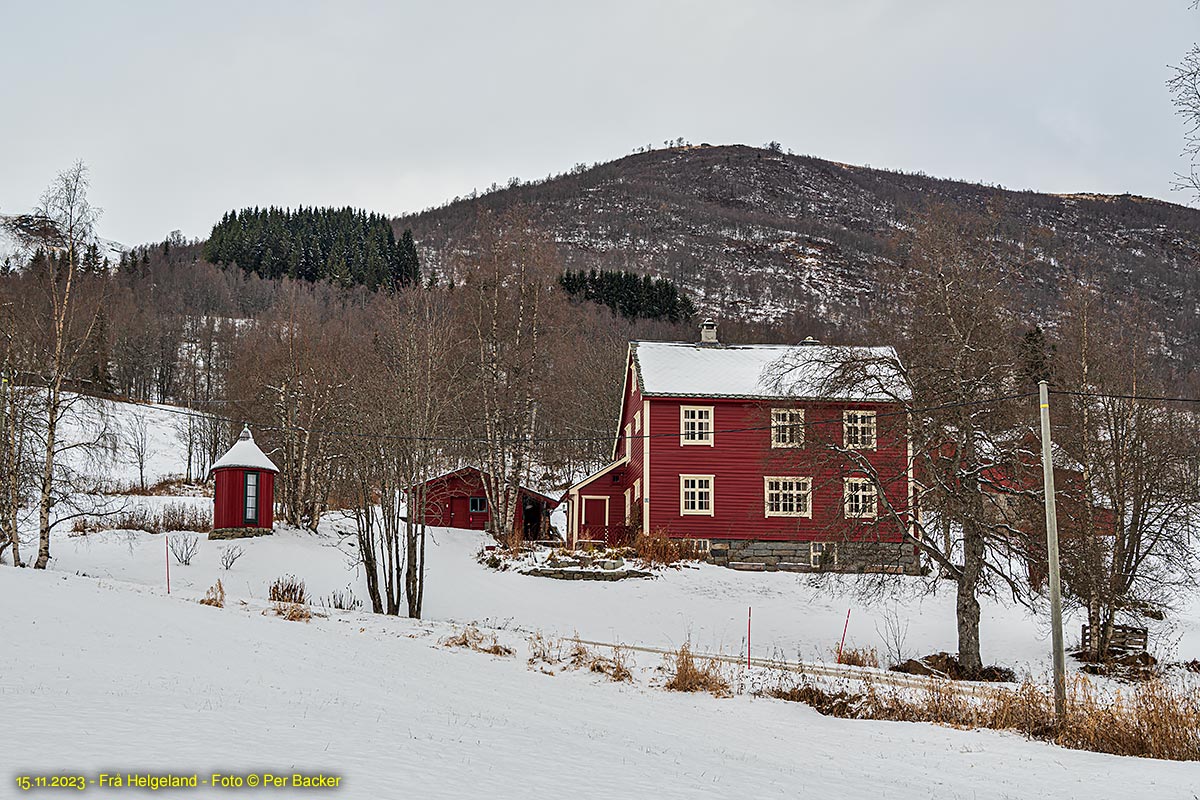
{"points": [[615, 667], [1154, 720], [543, 651], [473, 639], [293, 612], [857, 656], [288, 589], [215, 596], [688, 677]]}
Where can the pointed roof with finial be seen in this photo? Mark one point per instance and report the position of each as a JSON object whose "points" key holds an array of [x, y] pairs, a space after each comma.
{"points": [[244, 454]]}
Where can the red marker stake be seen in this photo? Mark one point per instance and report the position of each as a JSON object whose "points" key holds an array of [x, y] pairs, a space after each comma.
{"points": [[845, 628], [167, 553]]}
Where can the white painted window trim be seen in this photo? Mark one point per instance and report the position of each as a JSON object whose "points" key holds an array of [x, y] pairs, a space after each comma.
{"points": [[776, 426], [637, 422], [712, 496], [806, 492], [637, 488], [646, 468], [848, 491], [815, 550], [583, 498], [628, 505], [710, 440], [846, 426]]}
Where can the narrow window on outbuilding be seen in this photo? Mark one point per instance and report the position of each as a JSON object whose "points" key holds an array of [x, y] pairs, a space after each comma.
{"points": [[250, 512], [478, 505]]}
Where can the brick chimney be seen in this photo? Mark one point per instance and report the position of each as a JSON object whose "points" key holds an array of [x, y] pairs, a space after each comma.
{"points": [[708, 332]]}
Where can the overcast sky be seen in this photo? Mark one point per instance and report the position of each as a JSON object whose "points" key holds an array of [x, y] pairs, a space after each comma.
{"points": [[186, 110]]}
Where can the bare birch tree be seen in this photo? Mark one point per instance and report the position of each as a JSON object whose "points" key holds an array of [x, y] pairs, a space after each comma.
{"points": [[509, 273], [60, 229], [1128, 553]]}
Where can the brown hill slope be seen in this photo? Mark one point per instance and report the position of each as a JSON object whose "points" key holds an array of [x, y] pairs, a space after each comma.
{"points": [[761, 235]]}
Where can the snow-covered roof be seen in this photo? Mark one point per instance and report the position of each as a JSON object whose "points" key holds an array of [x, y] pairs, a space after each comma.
{"points": [[805, 371], [244, 454]]}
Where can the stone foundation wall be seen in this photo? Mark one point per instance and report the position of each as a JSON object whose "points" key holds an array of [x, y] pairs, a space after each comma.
{"points": [[238, 533], [792, 556]]}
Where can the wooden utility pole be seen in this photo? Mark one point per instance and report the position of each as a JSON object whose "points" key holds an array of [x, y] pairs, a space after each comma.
{"points": [[1060, 658]]}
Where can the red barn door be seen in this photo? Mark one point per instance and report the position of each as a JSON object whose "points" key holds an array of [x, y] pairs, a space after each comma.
{"points": [[460, 516], [595, 518]]}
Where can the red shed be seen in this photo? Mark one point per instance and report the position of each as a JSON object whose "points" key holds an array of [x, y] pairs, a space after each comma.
{"points": [[244, 498], [457, 500]]}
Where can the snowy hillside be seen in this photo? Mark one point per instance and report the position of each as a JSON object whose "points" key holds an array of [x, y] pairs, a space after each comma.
{"points": [[122, 679], [112, 673]]}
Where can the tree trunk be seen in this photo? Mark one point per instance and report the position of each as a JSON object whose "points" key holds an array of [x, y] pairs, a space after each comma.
{"points": [[967, 611], [45, 498], [967, 603]]}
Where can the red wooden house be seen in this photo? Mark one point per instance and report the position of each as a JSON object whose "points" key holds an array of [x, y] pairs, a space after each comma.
{"points": [[748, 450], [244, 496], [458, 500]]}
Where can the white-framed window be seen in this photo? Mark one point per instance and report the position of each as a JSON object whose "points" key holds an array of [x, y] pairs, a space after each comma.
{"points": [[787, 427], [787, 496], [696, 425], [858, 430], [628, 438], [637, 422], [860, 498], [250, 512], [628, 505], [822, 554], [478, 505], [696, 495], [637, 488]]}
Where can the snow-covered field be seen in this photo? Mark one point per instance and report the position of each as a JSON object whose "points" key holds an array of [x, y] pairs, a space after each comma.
{"points": [[105, 671]]}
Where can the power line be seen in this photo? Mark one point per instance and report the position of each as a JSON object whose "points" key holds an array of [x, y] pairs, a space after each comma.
{"points": [[1151, 398]]}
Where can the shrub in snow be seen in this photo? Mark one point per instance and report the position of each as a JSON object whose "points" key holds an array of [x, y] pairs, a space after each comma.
{"points": [[230, 555], [184, 517], [288, 589], [184, 546], [343, 600]]}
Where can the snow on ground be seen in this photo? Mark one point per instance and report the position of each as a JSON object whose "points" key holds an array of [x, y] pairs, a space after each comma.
{"points": [[114, 460], [104, 676], [794, 616], [121, 676]]}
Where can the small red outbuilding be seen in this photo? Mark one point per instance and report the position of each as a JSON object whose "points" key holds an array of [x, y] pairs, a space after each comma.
{"points": [[244, 497], [458, 500]]}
